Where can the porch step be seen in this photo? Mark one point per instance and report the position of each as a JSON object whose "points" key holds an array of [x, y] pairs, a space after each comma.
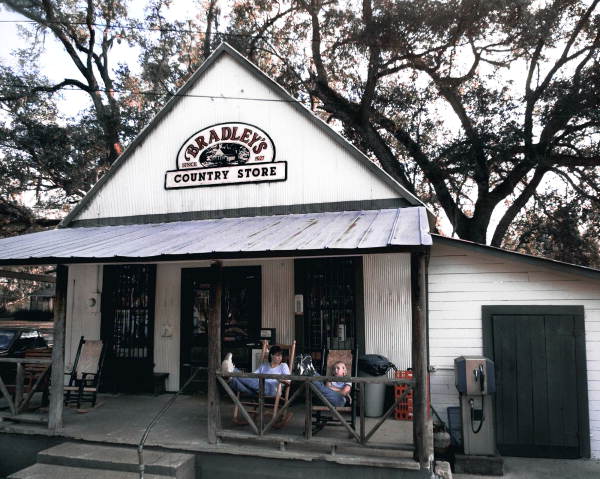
{"points": [[97, 459], [51, 471]]}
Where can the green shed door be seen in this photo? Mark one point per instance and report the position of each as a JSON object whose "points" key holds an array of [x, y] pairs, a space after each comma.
{"points": [[540, 374]]}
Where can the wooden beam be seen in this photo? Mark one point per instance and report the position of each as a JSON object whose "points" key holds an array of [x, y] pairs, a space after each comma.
{"points": [[8, 397], [307, 411], [44, 278], [19, 385], [55, 409], [214, 352], [421, 430]]}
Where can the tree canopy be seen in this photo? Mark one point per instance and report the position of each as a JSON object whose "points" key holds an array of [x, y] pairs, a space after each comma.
{"points": [[60, 158], [487, 110]]}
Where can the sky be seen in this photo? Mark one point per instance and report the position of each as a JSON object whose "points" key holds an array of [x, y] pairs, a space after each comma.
{"points": [[55, 63]]}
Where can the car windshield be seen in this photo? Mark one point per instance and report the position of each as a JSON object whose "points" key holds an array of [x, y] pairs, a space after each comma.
{"points": [[6, 338]]}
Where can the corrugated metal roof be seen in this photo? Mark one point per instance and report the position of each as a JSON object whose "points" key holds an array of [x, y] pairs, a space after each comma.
{"points": [[296, 232]]}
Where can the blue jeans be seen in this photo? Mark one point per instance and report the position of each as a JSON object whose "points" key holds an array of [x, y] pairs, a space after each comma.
{"points": [[334, 397], [249, 386]]}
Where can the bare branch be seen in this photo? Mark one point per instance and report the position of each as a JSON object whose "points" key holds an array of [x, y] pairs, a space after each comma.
{"points": [[516, 206], [45, 89]]}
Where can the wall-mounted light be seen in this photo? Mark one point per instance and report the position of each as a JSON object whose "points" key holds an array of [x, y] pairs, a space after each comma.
{"points": [[93, 303]]}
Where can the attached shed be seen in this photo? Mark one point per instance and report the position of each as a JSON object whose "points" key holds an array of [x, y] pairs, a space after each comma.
{"points": [[538, 320]]}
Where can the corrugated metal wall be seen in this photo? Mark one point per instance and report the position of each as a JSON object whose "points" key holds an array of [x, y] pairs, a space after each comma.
{"points": [[278, 298], [387, 307], [315, 161]]}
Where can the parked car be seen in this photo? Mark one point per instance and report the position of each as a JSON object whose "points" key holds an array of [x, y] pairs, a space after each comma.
{"points": [[15, 341]]}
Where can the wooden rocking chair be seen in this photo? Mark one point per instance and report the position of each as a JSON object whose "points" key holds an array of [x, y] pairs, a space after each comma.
{"points": [[282, 394], [85, 375], [321, 414]]}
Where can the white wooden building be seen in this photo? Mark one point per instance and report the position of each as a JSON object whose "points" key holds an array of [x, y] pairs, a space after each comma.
{"points": [[316, 235]]}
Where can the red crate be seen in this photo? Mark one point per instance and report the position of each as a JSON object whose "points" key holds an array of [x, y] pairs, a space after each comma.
{"points": [[404, 409]]}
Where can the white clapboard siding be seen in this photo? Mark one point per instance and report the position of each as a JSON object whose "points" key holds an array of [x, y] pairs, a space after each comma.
{"points": [[479, 278], [319, 169], [462, 281], [451, 334]]}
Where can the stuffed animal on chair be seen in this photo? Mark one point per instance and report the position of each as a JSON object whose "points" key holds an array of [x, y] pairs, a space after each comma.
{"points": [[227, 365]]}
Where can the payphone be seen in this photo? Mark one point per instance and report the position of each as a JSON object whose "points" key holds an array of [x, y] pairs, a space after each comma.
{"points": [[475, 381]]}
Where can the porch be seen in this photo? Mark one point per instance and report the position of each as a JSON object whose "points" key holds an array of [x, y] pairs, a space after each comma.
{"points": [[395, 242], [122, 420]]}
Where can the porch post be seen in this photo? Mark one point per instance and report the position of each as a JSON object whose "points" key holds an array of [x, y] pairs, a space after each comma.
{"points": [[55, 409], [422, 432], [214, 352]]}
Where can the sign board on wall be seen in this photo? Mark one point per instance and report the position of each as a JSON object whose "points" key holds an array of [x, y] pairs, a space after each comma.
{"points": [[227, 153]]}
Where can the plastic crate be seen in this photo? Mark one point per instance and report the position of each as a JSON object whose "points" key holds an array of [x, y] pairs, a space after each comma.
{"points": [[455, 425], [404, 409]]}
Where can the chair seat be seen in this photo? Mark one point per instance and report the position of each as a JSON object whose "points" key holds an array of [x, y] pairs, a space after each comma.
{"points": [[339, 408], [250, 402], [85, 389]]}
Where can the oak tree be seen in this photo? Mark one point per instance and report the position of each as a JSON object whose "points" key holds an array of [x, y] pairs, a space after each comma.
{"points": [[474, 105]]}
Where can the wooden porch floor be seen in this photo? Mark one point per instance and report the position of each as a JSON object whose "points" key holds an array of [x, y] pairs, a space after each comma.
{"points": [[122, 419]]}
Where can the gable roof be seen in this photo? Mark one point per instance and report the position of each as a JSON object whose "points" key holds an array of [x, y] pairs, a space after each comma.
{"points": [[226, 49]]}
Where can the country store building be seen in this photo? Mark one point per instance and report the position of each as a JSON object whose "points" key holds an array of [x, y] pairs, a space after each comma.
{"points": [[316, 244]]}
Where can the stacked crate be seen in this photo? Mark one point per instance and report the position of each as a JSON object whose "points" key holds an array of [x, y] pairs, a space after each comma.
{"points": [[404, 409]]}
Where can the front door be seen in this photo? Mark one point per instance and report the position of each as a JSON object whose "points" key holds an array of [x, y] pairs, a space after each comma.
{"points": [[127, 327], [240, 317], [541, 398], [332, 313]]}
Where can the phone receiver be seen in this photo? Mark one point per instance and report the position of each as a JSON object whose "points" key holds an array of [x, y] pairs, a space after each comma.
{"points": [[479, 377]]}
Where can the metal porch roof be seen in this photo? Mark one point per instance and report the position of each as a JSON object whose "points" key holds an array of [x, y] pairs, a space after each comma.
{"points": [[345, 230]]}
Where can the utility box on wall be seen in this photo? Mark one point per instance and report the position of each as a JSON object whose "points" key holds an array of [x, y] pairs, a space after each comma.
{"points": [[475, 381]]}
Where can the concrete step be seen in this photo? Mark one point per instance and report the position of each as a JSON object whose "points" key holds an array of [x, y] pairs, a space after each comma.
{"points": [[51, 471], [115, 458]]}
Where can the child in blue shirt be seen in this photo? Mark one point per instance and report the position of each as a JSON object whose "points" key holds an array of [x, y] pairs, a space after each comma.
{"points": [[336, 392]]}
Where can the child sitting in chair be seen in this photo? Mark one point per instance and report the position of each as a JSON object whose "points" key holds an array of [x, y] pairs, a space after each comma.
{"points": [[274, 365], [336, 392]]}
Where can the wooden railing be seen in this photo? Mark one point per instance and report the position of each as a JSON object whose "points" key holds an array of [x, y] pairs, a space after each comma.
{"points": [[307, 388], [37, 376]]}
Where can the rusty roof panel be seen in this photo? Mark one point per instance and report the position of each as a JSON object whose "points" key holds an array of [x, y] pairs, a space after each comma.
{"points": [[311, 231]]}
